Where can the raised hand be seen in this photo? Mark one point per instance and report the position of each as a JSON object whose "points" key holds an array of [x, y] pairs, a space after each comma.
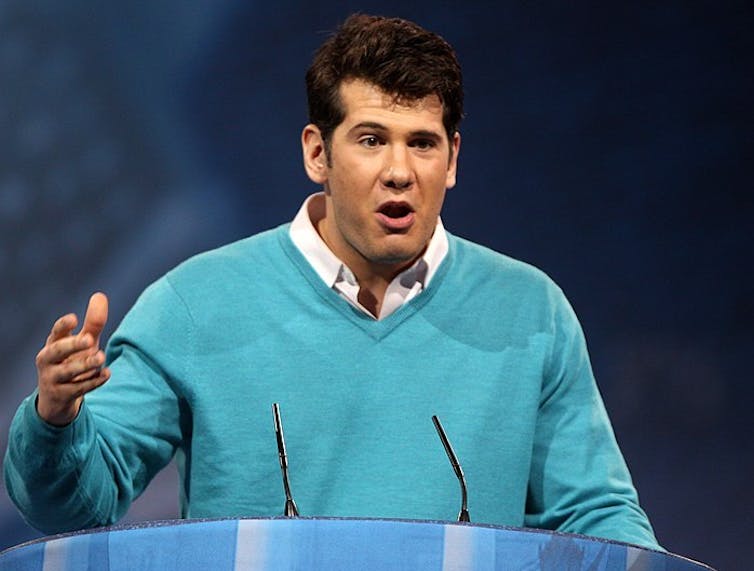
{"points": [[70, 365]]}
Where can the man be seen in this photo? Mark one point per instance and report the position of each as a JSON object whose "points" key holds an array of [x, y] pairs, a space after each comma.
{"points": [[362, 318]]}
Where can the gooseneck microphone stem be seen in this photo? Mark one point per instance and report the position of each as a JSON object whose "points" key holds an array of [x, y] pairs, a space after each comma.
{"points": [[464, 513], [290, 506]]}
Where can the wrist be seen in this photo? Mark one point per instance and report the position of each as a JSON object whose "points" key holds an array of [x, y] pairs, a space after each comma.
{"points": [[58, 416]]}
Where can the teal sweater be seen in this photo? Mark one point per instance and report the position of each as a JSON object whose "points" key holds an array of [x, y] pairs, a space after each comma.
{"points": [[491, 346]]}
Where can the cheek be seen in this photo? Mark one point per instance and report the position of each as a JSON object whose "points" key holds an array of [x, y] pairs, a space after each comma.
{"points": [[344, 177], [436, 187], [347, 211], [350, 190], [436, 209]]}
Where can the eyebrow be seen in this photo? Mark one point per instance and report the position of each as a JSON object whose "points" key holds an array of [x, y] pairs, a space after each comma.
{"points": [[368, 125], [425, 133]]}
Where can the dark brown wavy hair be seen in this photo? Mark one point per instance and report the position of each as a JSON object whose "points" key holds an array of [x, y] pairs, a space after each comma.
{"points": [[399, 57]]}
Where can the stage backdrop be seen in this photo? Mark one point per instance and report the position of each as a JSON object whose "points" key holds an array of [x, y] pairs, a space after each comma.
{"points": [[609, 144]]}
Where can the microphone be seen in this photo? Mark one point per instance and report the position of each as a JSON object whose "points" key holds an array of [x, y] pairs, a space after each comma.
{"points": [[290, 506], [464, 513]]}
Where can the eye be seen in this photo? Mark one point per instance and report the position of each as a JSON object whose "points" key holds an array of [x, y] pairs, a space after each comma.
{"points": [[423, 144], [369, 141]]}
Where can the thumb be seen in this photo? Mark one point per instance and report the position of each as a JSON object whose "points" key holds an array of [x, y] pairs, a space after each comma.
{"points": [[96, 315]]}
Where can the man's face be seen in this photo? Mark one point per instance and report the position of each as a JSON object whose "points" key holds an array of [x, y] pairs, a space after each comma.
{"points": [[385, 181]]}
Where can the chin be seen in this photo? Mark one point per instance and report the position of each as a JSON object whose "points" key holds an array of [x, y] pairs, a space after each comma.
{"points": [[399, 249], [395, 257]]}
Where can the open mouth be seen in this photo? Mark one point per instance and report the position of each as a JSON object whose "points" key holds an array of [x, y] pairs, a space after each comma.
{"points": [[395, 210], [396, 216]]}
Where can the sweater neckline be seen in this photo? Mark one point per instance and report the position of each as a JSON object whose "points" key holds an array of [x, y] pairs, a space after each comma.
{"points": [[376, 329]]}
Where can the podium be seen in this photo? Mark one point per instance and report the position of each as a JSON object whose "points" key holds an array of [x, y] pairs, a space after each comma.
{"points": [[287, 544]]}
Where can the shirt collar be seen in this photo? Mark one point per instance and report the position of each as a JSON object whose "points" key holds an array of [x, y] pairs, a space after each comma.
{"points": [[330, 268]]}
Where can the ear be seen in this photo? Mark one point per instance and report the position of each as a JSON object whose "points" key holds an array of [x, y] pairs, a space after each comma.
{"points": [[315, 158], [455, 148]]}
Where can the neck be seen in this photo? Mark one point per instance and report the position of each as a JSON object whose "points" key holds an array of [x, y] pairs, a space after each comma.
{"points": [[373, 278], [372, 288]]}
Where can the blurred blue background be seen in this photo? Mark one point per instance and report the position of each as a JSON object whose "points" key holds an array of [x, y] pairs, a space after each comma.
{"points": [[610, 144]]}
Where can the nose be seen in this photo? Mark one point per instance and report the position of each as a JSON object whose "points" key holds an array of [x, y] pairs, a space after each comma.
{"points": [[397, 172]]}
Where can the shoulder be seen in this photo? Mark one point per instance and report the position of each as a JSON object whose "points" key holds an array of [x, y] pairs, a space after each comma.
{"points": [[234, 269], [260, 258], [492, 284], [472, 261], [252, 250], [494, 301]]}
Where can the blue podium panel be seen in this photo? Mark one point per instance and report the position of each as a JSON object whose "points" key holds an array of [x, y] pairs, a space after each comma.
{"points": [[281, 544]]}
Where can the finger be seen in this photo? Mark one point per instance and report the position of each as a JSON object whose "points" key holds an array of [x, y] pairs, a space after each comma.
{"points": [[88, 374], [67, 370], [81, 388], [96, 315], [64, 349], [74, 371], [88, 368], [63, 327], [73, 391]]}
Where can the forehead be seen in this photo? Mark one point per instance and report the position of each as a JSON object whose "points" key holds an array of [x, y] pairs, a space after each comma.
{"points": [[362, 100]]}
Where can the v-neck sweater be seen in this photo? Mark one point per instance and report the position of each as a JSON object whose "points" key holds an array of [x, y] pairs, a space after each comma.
{"points": [[491, 346]]}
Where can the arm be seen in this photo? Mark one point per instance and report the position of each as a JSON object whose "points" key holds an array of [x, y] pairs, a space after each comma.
{"points": [[579, 481], [86, 472]]}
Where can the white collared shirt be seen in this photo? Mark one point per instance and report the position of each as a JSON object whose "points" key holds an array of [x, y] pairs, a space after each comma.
{"points": [[404, 287]]}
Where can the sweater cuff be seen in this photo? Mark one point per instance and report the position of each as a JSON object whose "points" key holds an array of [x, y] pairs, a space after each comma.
{"points": [[60, 439]]}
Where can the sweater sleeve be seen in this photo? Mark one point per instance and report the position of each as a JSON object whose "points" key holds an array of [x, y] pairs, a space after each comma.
{"points": [[87, 473], [579, 481]]}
